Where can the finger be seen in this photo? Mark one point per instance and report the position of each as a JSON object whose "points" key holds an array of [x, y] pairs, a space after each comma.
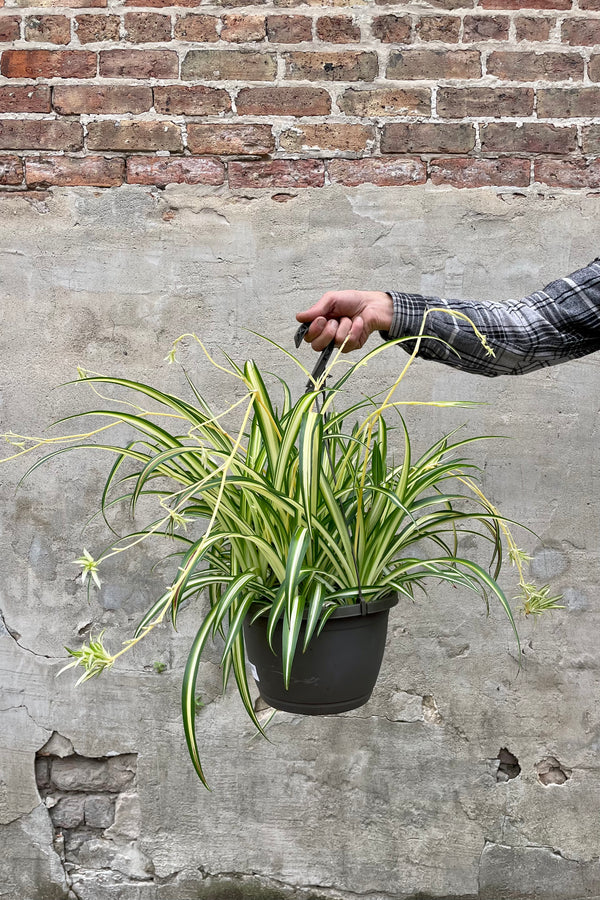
{"points": [[327, 335], [343, 331], [316, 327], [355, 335]]}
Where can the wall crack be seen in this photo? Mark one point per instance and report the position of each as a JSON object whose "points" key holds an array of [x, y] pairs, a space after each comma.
{"points": [[15, 636]]}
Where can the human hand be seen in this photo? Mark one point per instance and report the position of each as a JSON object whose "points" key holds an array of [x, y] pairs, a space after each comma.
{"points": [[349, 316]]}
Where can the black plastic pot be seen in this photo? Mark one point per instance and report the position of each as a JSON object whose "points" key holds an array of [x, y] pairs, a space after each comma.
{"points": [[337, 672]]}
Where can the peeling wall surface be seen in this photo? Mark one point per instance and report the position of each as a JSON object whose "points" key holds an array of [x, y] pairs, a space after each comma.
{"points": [[464, 776]]}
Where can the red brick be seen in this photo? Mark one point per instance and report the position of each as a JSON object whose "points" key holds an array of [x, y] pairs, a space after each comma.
{"points": [[526, 4], [594, 68], [328, 137], [565, 173], [256, 140], [485, 28], [416, 137], [94, 171], [530, 66], [181, 170], [224, 65], [581, 32], [280, 173], [159, 4], [471, 173], [11, 170], [338, 30], [567, 103], [28, 98], [147, 28], [283, 101], [439, 28], [92, 28], [589, 4], [349, 65], [320, 3], [591, 140], [10, 29], [68, 4], [74, 99], [196, 28], [128, 135], [459, 103], [139, 63], [191, 100], [238, 28], [386, 102], [432, 4], [533, 28], [48, 64], [528, 138], [289, 29], [442, 4], [398, 171], [433, 64], [392, 29], [42, 134], [48, 29], [337, 3]]}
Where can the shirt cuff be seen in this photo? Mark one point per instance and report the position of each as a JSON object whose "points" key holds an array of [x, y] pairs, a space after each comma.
{"points": [[407, 315]]}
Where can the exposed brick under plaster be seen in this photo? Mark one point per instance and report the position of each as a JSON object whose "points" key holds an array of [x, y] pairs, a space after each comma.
{"points": [[287, 94]]}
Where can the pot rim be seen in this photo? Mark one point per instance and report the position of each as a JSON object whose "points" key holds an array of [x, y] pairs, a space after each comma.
{"points": [[356, 609], [375, 606]]}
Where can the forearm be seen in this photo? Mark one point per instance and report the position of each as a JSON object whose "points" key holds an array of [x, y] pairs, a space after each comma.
{"points": [[559, 323]]}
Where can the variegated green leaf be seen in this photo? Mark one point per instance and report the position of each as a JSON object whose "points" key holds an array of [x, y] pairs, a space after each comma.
{"points": [[188, 691], [264, 413], [311, 450], [292, 621], [295, 559], [293, 424], [314, 611]]}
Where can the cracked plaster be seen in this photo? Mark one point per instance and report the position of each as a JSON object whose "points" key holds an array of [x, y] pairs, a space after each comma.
{"points": [[403, 789]]}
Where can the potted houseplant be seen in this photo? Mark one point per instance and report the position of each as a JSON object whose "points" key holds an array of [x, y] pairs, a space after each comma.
{"points": [[312, 531]]}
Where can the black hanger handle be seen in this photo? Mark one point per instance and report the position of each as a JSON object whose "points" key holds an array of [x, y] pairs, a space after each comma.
{"points": [[323, 359]]}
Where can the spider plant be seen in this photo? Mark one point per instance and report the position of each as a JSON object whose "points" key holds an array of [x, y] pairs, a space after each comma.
{"points": [[304, 508]]}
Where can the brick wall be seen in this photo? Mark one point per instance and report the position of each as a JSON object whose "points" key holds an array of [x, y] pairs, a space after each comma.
{"points": [[286, 94]]}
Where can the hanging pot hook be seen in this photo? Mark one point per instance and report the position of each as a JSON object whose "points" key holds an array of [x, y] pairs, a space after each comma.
{"points": [[322, 361], [317, 372]]}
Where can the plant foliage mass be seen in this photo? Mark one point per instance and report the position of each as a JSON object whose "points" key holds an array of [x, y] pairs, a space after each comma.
{"points": [[304, 507]]}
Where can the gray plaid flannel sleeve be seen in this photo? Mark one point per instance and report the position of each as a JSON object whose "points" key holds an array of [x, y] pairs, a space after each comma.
{"points": [[559, 323]]}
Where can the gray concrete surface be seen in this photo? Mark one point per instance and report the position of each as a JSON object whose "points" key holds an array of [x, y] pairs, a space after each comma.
{"points": [[415, 794]]}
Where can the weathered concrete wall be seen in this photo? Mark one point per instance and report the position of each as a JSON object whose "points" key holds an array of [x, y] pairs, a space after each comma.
{"points": [[463, 777]]}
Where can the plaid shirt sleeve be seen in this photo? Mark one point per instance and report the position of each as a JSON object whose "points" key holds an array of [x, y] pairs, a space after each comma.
{"points": [[559, 323]]}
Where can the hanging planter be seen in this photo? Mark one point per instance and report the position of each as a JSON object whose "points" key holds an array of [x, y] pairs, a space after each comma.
{"points": [[338, 669], [279, 522]]}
